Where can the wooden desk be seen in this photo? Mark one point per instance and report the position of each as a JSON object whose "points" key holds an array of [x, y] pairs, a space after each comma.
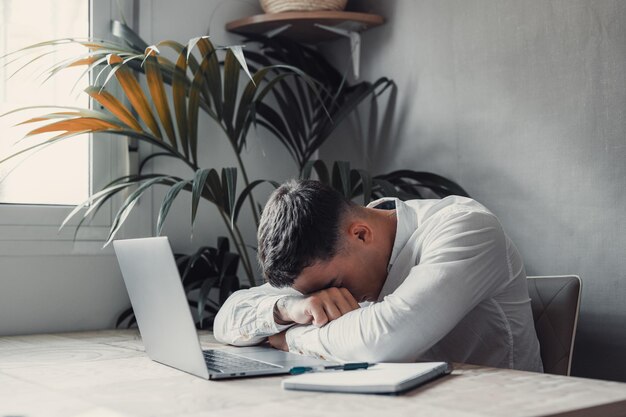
{"points": [[106, 374]]}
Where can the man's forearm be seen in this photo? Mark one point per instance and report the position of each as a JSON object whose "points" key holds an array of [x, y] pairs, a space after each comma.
{"points": [[247, 317]]}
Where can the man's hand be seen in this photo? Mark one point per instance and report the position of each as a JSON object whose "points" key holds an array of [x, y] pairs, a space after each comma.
{"points": [[317, 308], [279, 341]]}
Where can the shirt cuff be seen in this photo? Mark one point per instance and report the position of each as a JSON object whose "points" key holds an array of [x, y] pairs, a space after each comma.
{"points": [[305, 340], [265, 317]]}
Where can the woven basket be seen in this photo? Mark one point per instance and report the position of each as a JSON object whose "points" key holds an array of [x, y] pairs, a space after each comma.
{"points": [[278, 6]]}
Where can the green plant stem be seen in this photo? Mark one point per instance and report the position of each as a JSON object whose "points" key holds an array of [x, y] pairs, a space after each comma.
{"points": [[240, 246], [255, 216], [242, 167]]}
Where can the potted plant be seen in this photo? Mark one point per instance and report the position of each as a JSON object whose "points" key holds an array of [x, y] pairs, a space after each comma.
{"points": [[289, 90]]}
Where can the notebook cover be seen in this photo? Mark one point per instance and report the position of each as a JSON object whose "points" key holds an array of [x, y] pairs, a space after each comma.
{"points": [[382, 378]]}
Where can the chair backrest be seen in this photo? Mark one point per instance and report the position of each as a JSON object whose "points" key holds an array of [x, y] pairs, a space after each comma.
{"points": [[555, 302]]}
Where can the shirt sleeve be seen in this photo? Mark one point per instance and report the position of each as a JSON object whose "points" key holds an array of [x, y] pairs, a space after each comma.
{"points": [[460, 262], [247, 316]]}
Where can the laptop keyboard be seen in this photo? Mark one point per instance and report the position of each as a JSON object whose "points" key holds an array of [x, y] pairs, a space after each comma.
{"points": [[224, 362]]}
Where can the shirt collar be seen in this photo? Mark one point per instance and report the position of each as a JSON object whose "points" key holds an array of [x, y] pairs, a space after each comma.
{"points": [[405, 226]]}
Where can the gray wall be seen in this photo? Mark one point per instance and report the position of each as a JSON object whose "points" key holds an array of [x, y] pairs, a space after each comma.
{"points": [[523, 103]]}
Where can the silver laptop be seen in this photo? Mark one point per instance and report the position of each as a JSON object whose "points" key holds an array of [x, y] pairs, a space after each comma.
{"points": [[166, 325]]}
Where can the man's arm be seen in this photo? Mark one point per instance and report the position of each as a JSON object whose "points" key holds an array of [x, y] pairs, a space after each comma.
{"points": [[462, 262], [249, 316]]}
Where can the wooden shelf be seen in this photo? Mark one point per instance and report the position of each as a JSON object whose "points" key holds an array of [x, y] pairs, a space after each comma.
{"points": [[302, 25]]}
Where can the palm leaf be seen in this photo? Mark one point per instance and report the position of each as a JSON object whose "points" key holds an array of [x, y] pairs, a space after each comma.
{"points": [[157, 92], [231, 83], [179, 93], [90, 201], [150, 157], [73, 114], [320, 168], [203, 295], [341, 178], [135, 95], [366, 184], [80, 124], [115, 106], [122, 31], [129, 204], [229, 190], [238, 53], [169, 198], [193, 107], [198, 184], [48, 142], [410, 182], [244, 195], [213, 73]]}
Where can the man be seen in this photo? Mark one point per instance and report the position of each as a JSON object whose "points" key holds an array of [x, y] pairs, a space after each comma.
{"points": [[436, 279]]}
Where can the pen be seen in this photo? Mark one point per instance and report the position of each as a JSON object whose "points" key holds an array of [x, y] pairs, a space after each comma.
{"points": [[345, 367]]}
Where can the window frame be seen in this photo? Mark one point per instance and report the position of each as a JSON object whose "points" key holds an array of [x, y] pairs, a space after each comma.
{"points": [[27, 229]]}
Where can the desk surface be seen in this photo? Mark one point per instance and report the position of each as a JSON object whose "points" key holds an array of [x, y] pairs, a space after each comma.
{"points": [[107, 374]]}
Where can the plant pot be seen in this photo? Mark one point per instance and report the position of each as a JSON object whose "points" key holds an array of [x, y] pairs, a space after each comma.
{"points": [[279, 6]]}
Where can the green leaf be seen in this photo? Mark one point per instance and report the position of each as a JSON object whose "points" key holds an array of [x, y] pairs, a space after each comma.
{"points": [[238, 53], [179, 93], [341, 178], [345, 109], [231, 83], [387, 188], [192, 114], [366, 181], [226, 279], [168, 200], [229, 187], [121, 31], [198, 184], [97, 205], [126, 314], [216, 193], [213, 73], [320, 168], [179, 48], [244, 194], [89, 201], [205, 289], [243, 110], [129, 204], [410, 181]]}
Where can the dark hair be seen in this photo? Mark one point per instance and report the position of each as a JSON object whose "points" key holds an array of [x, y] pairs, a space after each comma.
{"points": [[299, 226]]}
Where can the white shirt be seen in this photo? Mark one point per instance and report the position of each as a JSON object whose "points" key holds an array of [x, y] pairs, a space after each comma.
{"points": [[456, 291]]}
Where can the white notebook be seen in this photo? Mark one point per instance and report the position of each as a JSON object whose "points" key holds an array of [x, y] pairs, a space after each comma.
{"points": [[382, 378]]}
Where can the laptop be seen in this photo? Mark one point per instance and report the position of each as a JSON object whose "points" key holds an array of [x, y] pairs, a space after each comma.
{"points": [[166, 324]]}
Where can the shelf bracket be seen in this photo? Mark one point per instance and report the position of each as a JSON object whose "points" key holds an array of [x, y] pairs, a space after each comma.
{"points": [[355, 45], [277, 31]]}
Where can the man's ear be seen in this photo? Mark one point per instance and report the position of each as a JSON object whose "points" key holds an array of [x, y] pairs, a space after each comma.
{"points": [[361, 231]]}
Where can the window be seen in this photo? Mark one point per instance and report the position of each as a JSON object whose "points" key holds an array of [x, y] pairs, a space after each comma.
{"points": [[42, 189], [44, 177]]}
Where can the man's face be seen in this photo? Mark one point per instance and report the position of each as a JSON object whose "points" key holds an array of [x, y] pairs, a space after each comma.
{"points": [[354, 271]]}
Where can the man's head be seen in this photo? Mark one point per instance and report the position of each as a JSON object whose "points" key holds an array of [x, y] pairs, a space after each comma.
{"points": [[299, 225], [311, 237]]}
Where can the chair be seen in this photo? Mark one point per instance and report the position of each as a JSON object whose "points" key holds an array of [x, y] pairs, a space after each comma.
{"points": [[555, 302]]}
